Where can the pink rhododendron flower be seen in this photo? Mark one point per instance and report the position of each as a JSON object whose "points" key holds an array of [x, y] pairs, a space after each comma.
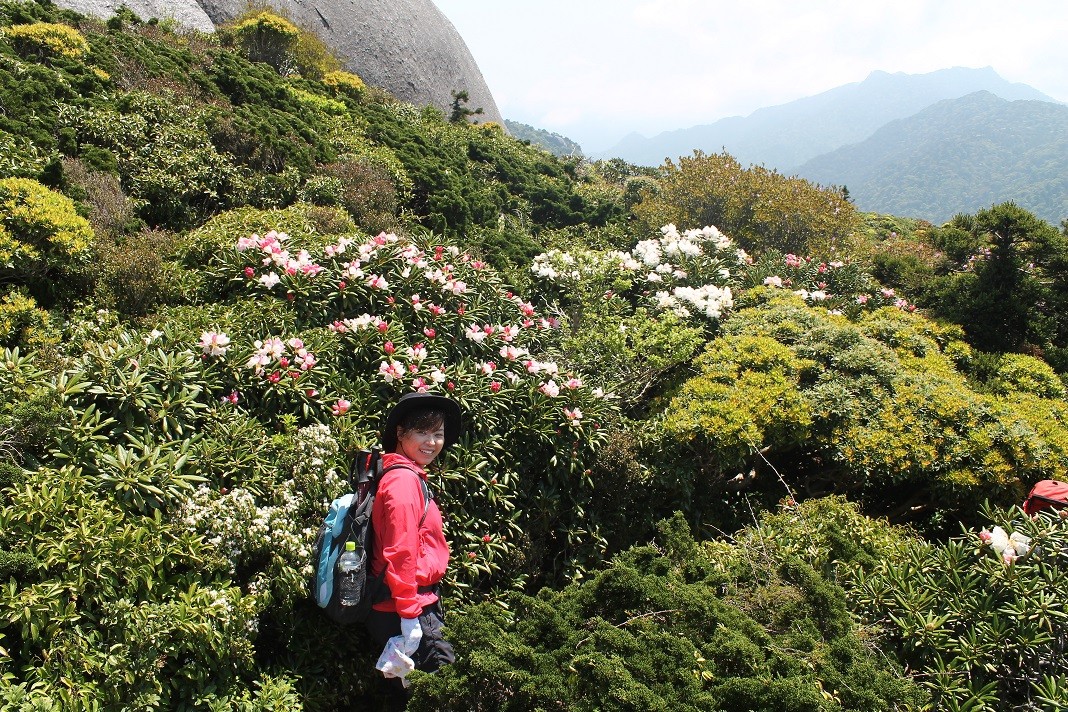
{"points": [[475, 333], [573, 415], [233, 398], [550, 388], [391, 371], [495, 386], [214, 343], [389, 348], [862, 299], [488, 368], [773, 281], [573, 383], [275, 377], [382, 326], [377, 282], [429, 333], [435, 309], [269, 280], [420, 385], [249, 272], [438, 375], [341, 407], [416, 352]]}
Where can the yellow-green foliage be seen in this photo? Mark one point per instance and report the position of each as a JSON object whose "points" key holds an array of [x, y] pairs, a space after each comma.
{"points": [[265, 22], [828, 533], [930, 427], [313, 58], [1027, 374], [46, 39], [21, 321], [917, 341], [266, 37], [759, 208], [881, 405], [317, 102], [746, 394], [39, 228], [340, 80]]}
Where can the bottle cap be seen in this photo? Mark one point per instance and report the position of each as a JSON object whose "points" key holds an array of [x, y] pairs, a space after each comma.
{"points": [[350, 546]]}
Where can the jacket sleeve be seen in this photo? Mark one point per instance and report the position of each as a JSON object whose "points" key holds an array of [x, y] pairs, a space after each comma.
{"points": [[395, 516]]}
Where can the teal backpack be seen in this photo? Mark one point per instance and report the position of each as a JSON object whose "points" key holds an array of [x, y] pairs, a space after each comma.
{"points": [[349, 519]]}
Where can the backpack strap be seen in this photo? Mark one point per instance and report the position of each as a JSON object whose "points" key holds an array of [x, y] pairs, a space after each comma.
{"points": [[422, 485]]}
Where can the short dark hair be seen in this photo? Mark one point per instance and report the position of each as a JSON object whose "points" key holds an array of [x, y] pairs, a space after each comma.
{"points": [[422, 419]]}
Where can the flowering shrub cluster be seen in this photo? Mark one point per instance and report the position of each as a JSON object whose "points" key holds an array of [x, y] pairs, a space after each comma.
{"points": [[839, 286], [981, 619], [387, 315], [688, 273]]}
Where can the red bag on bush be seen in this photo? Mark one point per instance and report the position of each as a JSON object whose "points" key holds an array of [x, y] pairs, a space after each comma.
{"points": [[1046, 494]]}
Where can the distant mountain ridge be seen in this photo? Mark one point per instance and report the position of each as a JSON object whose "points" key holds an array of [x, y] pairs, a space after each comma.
{"points": [[554, 143], [788, 135], [959, 155]]}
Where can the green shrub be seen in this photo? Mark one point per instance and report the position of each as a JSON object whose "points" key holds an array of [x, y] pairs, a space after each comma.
{"points": [[265, 36], [22, 322], [342, 81], [682, 626], [46, 39], [978, 627], [44, 243], [760, 208]]}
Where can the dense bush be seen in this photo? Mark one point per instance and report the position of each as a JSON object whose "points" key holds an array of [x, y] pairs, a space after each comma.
{"points": [[877, 408], [760, 208], [45, 246], [680, 626], [981, 618]]}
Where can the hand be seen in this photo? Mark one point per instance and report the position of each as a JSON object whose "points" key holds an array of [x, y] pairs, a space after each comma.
{"points": [[412, 633]]}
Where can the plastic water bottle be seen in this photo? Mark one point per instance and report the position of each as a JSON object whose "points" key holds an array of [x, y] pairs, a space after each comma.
{"points": [[350, 582]]}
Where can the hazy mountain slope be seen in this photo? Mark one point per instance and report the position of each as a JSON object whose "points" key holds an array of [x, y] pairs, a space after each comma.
{"points": [[786, 136], [554, 143], [959, 155]]}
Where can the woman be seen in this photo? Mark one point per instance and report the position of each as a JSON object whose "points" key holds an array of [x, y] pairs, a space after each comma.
{"points": [[409, 544]]}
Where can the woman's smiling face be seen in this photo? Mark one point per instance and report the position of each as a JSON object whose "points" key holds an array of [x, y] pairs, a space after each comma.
{"points": [[421, 444]]}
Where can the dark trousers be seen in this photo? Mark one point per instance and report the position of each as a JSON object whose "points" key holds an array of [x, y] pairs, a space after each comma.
{"points": [[434, 651]]}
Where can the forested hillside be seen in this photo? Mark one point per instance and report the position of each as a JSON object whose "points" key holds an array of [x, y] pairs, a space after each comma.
{"points": [[958, 156], [730, 444]]}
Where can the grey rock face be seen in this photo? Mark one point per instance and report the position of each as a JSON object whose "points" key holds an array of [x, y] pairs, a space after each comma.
{"points": [[407, 47], [186, 13]]}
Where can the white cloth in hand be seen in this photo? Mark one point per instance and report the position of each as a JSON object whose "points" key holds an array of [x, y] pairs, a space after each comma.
{"points": [[393, 662], [411, 633]]}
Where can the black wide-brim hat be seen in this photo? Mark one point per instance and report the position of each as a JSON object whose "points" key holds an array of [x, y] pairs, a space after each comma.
{"points": [[422, 401]]}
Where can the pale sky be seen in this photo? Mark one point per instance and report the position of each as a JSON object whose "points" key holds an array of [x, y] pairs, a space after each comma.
{"points": [[596, 70]]}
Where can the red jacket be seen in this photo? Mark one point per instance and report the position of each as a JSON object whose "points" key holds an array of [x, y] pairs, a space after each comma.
{"points": [[415, 557]]}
